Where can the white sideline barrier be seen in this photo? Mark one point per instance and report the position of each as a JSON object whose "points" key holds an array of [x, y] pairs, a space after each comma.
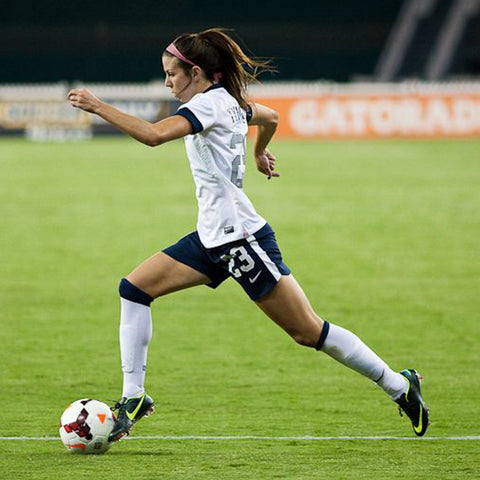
{"points": [[307, 109]]}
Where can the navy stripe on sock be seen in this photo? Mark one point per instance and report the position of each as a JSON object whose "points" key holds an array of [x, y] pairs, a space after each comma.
{"points": [[381, 376], [323, 336], [129, 291]]}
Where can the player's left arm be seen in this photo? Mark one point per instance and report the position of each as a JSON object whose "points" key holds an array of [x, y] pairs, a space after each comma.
{"points": [[151, 134]]}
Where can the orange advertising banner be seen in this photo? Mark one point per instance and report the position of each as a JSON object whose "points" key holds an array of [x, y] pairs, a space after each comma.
{"points": [[356, 115]]}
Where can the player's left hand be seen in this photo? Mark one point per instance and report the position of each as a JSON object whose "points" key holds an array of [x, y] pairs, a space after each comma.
{"points": [[84, 99], [266, 163]]}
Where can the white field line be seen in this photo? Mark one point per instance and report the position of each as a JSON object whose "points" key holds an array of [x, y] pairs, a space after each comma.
{"points": [[255, 437]]}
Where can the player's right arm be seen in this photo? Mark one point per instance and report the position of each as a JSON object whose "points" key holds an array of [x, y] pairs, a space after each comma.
{"points": [[151, 134], [267, 121]]}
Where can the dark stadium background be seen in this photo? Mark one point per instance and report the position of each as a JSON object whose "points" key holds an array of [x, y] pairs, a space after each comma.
{"points": [[104, 41]]}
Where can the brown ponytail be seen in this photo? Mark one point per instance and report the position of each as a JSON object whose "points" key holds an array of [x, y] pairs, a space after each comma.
{"points": [[219, 56]]}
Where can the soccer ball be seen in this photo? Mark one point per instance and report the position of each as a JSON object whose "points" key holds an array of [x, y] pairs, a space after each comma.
{"points": [[85, 426]]}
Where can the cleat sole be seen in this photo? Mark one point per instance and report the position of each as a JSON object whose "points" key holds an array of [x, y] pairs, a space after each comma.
{"points": [[150, 411], [120, 436]]}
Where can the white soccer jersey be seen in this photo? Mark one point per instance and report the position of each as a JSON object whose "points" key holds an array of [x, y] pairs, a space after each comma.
{"points": [[216, 152]]}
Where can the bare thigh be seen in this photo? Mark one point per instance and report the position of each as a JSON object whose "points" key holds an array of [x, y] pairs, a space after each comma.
{"points": [[161, 274], [287, 305]]}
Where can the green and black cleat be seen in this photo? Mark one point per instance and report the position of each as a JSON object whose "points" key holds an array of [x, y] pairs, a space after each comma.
{"points": [[130, 411], [412, 402]]}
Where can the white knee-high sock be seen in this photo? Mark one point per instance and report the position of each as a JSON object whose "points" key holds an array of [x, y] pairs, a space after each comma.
{"points": [[135, 335], [345, 347]]}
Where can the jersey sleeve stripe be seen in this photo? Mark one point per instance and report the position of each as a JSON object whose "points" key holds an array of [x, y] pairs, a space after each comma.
{"points": [[249, 113], [190, 116]]}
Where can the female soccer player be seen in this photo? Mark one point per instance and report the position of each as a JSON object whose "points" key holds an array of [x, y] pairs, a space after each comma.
{"points": [[205, 71]]}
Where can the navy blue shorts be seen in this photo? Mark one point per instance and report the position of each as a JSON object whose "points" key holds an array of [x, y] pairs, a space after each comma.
{"points": [[254, 262]]}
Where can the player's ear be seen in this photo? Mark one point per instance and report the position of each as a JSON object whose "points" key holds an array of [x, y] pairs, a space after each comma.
{"points": [[196, 72]]}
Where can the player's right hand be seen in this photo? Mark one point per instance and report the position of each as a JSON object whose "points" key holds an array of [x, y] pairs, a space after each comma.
{"points": [[84, 99]]}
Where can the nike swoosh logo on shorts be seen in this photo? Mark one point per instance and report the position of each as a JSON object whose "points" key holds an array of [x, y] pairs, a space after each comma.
{"points": [[252, 280]]}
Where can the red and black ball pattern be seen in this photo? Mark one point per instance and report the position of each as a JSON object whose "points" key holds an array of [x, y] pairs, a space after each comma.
{"points": [[80, 426]]}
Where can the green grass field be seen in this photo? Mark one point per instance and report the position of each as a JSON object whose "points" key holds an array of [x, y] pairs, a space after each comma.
{"points": [[383, 237]]}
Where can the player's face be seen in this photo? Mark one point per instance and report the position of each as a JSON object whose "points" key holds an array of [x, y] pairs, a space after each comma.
{"points": [[177, 79]]}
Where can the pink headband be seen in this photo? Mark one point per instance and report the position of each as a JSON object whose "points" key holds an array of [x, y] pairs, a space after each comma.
{"points": [[176, 52]]}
